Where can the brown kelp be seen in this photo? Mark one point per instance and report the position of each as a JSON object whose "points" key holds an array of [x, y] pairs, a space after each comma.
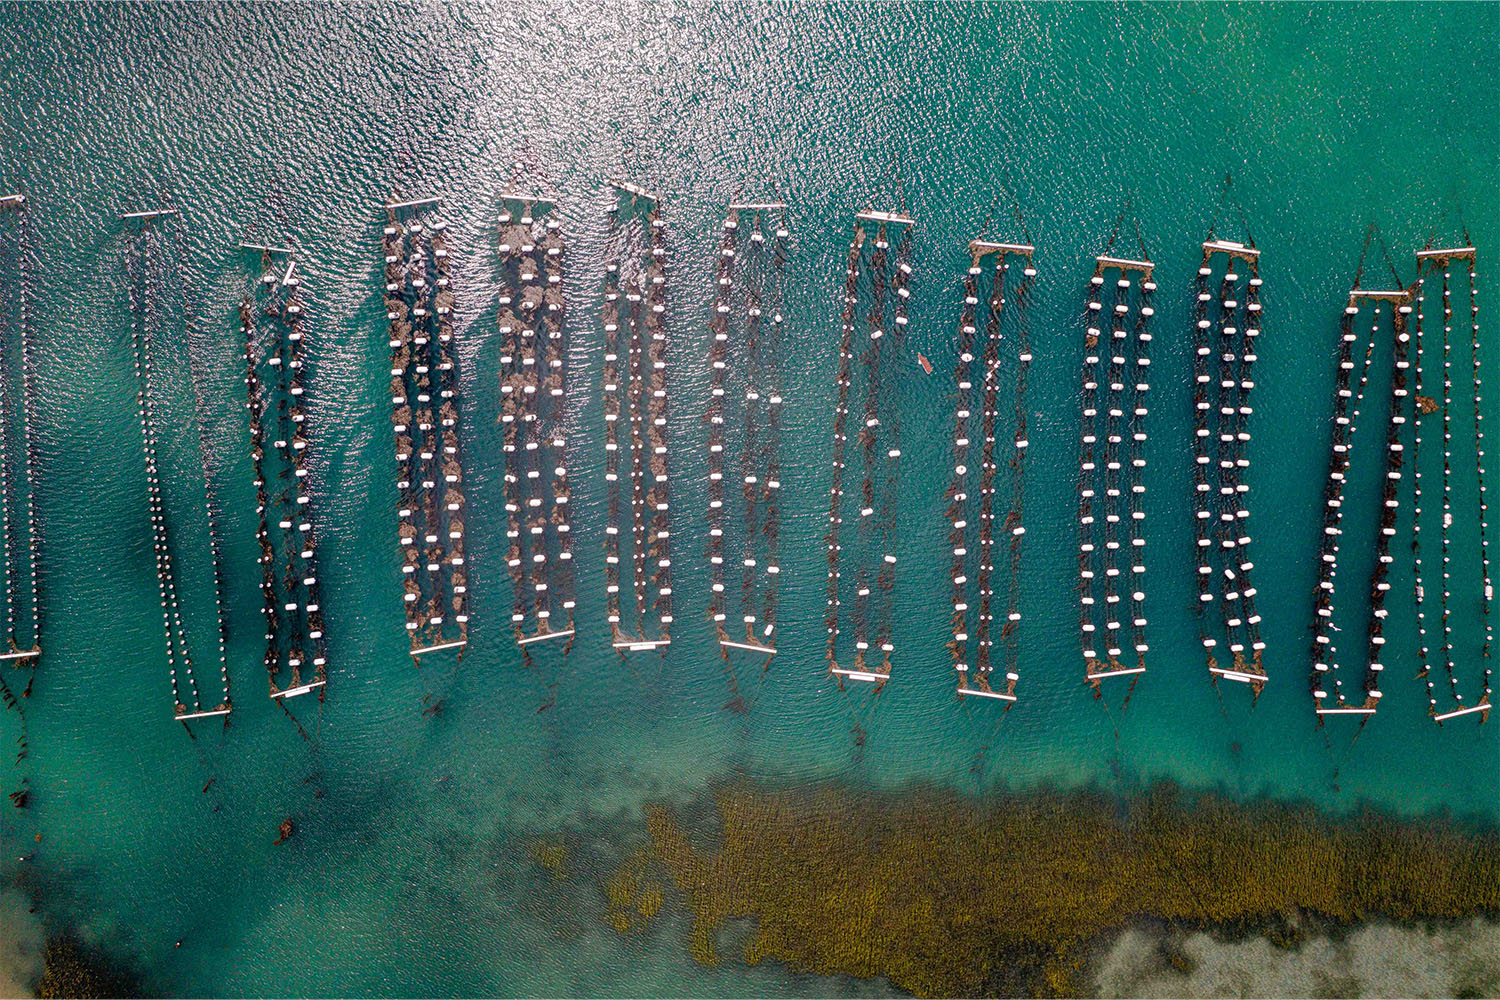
{"points": [[948, 895]]}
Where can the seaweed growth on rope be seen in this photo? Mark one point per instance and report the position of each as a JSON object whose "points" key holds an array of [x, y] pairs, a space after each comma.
{"points": [[533, 412], [635, 388], [747, 337]]}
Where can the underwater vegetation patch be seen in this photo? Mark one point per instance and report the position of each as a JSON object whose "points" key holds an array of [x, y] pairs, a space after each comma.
{"points": [[952, 896]]}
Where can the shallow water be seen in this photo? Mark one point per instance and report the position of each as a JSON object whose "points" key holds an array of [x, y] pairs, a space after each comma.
{"points": [[410, 871]]}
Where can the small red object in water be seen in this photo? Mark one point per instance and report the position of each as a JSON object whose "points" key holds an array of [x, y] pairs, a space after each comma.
{"points": [[926, 365]]}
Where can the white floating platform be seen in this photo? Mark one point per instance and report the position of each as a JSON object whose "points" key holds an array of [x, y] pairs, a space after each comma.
{"points": [[1124, 263], [418, 651], [529, 199], [643, 646], [1238, 675], [860, 675], [981, 247], [413, 203], [1100, 675], [1231, 247], [965, 692], [753, 647], [12, 199], [1346, 711], [299, 690], [1481, 707], [185, 716], [632, 189], [1453, 252], [1388, 296], [542, 637], [21, 654], [265, 248], [150, 213], [870, 215]]}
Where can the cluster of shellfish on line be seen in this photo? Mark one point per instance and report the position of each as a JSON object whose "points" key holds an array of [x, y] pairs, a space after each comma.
{"points": [[747, 334]]}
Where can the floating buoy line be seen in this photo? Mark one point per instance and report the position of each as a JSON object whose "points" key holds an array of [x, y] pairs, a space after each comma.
{"points": [[20, 536], [635, 388], [153, 261], [533, 410], [1111, 554], [746, 337], [419, 304], [1007, 295], [1435, 266], [877, 292], [272, 323], [1227, 323], [1388, 311]]}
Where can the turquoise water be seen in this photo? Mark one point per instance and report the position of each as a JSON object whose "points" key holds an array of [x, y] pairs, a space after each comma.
{"points": [[410, 871]]}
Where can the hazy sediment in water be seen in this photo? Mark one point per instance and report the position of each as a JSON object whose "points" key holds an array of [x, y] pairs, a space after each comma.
{"points": [[948, 895], [1375, 960]]}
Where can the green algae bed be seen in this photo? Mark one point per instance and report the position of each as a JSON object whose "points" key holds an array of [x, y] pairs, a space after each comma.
{"points": [[951, 896]]}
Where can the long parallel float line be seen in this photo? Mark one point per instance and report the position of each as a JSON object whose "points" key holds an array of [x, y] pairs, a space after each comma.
{"points": [[876, 536], [1434, 263], [636, 271], [147, 271], [22, 581], [753, 356], [291, 602], [533, 412], [975, 671], [1123, 390], [419, 307], [1223, 554], [1346, 407]]}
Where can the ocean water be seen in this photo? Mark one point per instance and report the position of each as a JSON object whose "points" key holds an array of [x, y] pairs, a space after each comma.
{"points": [[410, 872]]}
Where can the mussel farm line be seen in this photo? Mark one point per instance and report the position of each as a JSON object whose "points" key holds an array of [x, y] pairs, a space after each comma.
{"points": [[152, 259], [533, 410], [973, 573], [635, 305], [746, 328], [1435, 267], [1220, 438], [18, 520], [272, 323], [868, 281], [1349, 395], [424, 417], [1116, 369], [18, 465]]}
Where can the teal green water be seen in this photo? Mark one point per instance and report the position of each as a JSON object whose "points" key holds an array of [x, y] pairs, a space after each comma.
{"points": [[409, 872]]}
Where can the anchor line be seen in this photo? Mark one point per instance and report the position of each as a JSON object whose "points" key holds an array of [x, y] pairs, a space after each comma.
{"points": [[868, 441], [610, 320], [718, 354], [840, 414], [518, 416], [143, 312], [989, 469], [1347, 404], [555, 431], [957, 494], [256, 403], [659, 495], [1015, 523], [772, 386], [886, 578], [210, 505], [28, 402], [1135, 452], [1202, 500]]}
